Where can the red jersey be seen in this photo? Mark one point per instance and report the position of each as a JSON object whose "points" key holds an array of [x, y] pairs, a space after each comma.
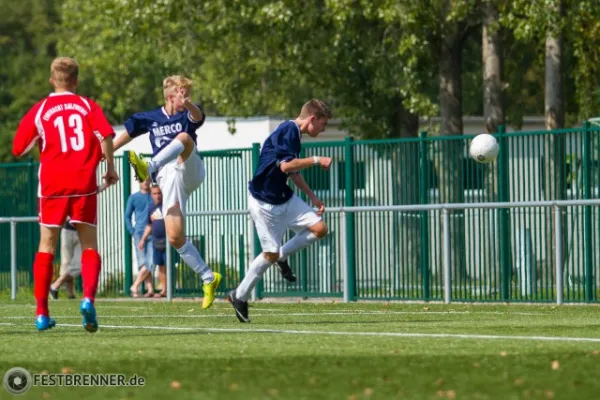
{"points": [[68, 129]]}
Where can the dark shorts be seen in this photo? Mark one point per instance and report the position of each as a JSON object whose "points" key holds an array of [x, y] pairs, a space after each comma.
{"points": [[159, 257]]}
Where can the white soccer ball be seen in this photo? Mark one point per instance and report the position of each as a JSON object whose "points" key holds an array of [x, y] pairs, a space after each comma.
{"points": [[484, 148]]}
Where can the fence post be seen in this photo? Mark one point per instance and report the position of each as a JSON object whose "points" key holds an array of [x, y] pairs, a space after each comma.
{"points": [[424, 199], [257, 248], [559, 254], [446, 256], [349, 202], [126, 179], [13, 260], [504, 220], [587, 214], [32, 206]]}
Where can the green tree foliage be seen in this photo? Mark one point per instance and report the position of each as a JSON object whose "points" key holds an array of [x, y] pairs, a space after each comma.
{"points": [[27, 45]]}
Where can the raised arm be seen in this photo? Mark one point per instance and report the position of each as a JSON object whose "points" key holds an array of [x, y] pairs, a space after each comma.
{"points": [[122, 140], [298, 164]]}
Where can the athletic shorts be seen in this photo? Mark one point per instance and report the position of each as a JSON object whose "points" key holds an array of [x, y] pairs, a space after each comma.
{"points": [[178, 181], [53, 211], [272, 221]]}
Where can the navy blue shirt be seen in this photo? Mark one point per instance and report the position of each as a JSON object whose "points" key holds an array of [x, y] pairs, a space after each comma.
{"points": [[163, 128], [155, 218], [269, 183]]}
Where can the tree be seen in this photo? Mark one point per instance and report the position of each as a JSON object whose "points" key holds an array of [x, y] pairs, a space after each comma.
{"points": [[555, 145], [28, 39], [493, 113], [457, 21]]}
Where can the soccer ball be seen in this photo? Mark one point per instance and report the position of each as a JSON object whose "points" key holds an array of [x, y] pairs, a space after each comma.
{"points": [[484, 148]]}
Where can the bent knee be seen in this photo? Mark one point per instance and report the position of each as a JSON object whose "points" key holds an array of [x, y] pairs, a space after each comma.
{"points": [[271, 257], [320, 230]]}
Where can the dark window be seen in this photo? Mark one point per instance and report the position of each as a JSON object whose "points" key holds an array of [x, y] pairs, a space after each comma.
{"points": [[360, 175], [317, 178]]}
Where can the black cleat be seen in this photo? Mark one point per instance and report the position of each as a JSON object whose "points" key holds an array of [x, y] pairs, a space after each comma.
{"points": [[54, 294], [286, 271], [240, 307]]}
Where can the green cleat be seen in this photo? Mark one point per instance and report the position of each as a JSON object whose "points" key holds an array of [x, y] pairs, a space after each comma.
{"points": [[140, 166]]}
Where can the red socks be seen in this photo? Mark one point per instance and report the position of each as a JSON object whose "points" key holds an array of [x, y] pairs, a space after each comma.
{"points": [[90, 272], [42, 278]]}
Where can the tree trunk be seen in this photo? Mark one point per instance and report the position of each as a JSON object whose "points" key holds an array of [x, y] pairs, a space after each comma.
{"points": [[450, 170], [554, 145], [405, 181], [493, 112]]}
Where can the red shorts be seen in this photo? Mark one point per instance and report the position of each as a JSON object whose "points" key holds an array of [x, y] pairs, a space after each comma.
{"points": [[53, 211]]}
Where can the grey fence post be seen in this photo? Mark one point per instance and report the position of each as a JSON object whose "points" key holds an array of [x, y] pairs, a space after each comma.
{"points": [[446, 256], [13, 260]]}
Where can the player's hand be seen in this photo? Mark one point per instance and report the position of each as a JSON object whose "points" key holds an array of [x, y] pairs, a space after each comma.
{"points": [[141, 244], [325, 162], [110, 177], [319, 205], [183, 96]]}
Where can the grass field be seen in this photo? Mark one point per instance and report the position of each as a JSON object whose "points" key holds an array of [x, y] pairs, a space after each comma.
{"points": [[312, 351]]}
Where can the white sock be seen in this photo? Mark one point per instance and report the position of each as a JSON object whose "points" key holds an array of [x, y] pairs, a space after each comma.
{"points": [[297, 243], [255, 273], [191, 256], [166, 155]]}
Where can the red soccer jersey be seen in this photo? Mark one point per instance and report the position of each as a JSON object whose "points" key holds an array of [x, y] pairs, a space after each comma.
{"points": [[69, 129]]}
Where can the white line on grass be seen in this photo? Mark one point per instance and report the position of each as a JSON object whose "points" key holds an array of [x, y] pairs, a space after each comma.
{"points": [[305, 314], [348, 333]]}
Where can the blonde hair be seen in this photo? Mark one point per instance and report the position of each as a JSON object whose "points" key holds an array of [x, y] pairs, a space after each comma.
{"points": [[174, 82], [315, 107], [64, 71]]}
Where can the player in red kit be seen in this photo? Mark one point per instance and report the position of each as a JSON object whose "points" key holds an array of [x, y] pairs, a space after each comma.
{"points": [[73, 135]]}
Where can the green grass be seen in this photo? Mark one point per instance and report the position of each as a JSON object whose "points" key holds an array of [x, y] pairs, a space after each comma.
{"points": [[309, 362]]}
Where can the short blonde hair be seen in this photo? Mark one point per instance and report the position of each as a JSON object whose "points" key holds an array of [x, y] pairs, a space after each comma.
{"points": [[174, 82], [315, 107], [64, 71]]}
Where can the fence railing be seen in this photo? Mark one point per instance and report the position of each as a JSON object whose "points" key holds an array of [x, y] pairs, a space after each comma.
{"points": [[349, 268]]}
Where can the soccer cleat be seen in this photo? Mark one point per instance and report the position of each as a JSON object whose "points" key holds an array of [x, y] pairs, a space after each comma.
{"points": [[240, 307], [43, 322], [210, 289], [140, 166], [54, 294], [87, 309], [286, 271]]}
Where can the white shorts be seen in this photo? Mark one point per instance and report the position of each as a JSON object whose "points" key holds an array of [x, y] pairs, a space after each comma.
{"points": [[178, 181], [70, 253], [272, 221]]}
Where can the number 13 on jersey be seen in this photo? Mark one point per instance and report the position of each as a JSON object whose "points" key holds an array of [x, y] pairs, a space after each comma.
{"points": [[75, 133]]}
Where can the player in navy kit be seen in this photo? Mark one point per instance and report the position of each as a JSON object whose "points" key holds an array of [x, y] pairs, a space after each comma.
{"points": [[273, 205], [176, 166]]}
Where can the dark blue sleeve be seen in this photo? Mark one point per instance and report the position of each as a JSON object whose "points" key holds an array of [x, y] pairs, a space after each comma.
{"points": [[288, 145], [136, 125], [192, 125]]}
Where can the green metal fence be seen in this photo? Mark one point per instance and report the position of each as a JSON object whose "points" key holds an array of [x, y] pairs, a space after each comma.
{"points": [[496, 254]]}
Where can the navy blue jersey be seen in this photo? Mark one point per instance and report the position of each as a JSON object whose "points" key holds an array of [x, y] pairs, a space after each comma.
{"points": [[156, 219], [163, 128], [159, 233], [269, 183]]}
